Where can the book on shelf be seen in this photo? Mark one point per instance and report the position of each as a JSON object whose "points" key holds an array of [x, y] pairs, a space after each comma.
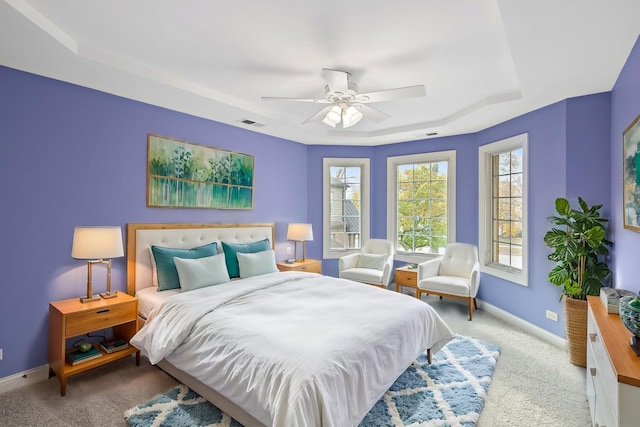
{"points": [[610, 298], [111, 346], [79, 357]]}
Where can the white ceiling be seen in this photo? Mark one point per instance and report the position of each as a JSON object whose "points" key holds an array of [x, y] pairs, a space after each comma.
{"points": [[481, 61]]}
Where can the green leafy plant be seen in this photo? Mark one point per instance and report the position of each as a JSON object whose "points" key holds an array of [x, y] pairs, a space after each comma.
{"points": [[580, 249]]}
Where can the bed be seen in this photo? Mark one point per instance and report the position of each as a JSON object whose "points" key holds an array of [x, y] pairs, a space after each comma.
{"points": [[281, 348]]}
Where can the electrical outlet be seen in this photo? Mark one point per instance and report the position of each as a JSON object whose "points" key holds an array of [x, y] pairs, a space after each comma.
{"points": [[0, 354], [289, 251], [552, 315]]}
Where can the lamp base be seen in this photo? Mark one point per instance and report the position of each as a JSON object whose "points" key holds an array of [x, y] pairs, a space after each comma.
{"points": [[89, 299], [109, 295]]}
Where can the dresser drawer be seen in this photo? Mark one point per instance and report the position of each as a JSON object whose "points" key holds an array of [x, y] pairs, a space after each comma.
{"points": [[81, 323], [605, 373]]}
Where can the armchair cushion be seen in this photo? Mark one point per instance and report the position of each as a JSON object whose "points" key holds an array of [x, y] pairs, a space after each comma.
{"points": [[365, 275], [450, 285], [376, 262]]}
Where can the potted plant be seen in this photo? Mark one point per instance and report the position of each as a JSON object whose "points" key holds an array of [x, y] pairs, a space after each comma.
{"points": [[580, 249]]}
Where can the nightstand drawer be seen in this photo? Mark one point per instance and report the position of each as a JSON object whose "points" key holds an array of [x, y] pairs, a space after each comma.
{"points": [[407, 278], [310, 268], [78, 324]]}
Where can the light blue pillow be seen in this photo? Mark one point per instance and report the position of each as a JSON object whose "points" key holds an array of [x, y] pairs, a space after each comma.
{"points": [[166, 268], [372, 261], [257, 263], [231, 249], [201, 272]]}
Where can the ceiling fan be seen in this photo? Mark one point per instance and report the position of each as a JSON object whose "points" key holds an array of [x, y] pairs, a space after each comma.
{"points": [[347, 105]]}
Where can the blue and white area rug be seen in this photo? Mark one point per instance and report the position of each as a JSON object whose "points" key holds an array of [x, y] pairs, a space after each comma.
{"points": [[449, 392]]}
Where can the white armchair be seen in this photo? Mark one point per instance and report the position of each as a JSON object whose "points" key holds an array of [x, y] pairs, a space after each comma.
{"points": [[455, 274], [373, 265]]}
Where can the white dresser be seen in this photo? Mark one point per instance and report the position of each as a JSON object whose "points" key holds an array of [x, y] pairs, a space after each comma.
{"points": [[613, 370]]}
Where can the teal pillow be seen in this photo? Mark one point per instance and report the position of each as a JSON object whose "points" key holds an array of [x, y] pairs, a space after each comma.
{"points": [[201, 272], [231, 249], [257, 263], [166, 267]]}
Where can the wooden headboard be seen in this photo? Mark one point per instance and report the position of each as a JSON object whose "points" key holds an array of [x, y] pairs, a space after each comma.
{"points": [[140, 237]]}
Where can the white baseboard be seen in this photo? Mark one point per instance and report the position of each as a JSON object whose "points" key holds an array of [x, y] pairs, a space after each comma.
{"points": [[24, 378], [523, 324]]}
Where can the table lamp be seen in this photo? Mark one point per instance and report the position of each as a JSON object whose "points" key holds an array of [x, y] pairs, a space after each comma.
{"points": [[95, 244], [300, 233]]}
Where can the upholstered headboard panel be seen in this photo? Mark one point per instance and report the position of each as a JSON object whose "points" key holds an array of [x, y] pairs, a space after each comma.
{"points": [[140, 237]]}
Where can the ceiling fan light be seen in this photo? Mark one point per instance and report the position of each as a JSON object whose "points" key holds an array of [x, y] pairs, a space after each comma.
{"points": [[327, 122], [351, 116], [333, 116]]}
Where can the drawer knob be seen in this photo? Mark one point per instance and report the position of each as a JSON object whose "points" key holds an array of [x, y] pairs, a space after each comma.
{"points": [[592, 337], [592, 371]]}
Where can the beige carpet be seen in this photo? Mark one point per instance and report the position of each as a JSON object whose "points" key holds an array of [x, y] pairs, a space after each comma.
{"points": [[533, 385]]}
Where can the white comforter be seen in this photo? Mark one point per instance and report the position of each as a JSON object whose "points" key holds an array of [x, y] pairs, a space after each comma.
{"points": [[294, 349]]}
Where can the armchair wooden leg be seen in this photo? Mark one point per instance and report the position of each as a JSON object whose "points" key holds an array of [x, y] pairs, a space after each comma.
{"points": [[475, 303], [471, 302]]}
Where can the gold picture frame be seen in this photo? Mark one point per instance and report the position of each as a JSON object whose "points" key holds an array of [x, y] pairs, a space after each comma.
{"points": [[631, 176], [185, 175]]}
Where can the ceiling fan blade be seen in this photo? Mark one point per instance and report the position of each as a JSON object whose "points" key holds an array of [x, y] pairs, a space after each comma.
{"points": [[391, 94], [317, 115], [338, 81], [314, 100], [372, 113]]}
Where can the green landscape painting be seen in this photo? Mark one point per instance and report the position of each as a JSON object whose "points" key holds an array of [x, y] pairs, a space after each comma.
{"points": [[185, 175]]}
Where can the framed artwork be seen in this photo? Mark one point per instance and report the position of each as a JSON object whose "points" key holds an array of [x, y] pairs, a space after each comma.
{"points": [[631, 179], [185, 175]]}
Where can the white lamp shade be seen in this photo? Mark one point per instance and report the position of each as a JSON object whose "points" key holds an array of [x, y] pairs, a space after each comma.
{"points": [[299, 232], [333, 116], [351, 116], [97, 243]]}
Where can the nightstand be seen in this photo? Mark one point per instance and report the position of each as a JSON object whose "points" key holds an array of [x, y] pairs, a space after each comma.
{"points": [[308, 265], [72, 318], [406, 276]]}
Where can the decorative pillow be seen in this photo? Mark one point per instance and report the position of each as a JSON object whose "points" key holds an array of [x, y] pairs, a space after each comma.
{"points": [[373, 261], [200, 272], [166, 268], [257, 263], [231, 249]]}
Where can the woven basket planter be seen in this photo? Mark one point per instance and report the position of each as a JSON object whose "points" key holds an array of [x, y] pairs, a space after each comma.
{"points": [[575, 312]]}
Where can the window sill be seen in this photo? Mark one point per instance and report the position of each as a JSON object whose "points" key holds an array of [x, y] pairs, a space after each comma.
{"points": [[518, 278]]}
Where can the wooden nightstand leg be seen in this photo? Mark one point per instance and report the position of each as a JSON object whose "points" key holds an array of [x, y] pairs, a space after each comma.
{"points": [[63, 386]]}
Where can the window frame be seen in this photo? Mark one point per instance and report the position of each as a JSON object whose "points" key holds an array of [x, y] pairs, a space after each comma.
{"points": [[485, 208], [365, 211], [392, 198]]}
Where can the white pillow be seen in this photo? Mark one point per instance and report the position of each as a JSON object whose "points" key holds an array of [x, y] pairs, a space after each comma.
{"points": [[200, 272], [254, 264], [373, 261]]}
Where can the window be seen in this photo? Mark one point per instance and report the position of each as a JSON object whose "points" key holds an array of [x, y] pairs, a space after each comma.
{"points": [[421, 200], [345, 205], [503, 208]]}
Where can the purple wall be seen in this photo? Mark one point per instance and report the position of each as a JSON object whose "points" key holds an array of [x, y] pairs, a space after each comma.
{"points": [[625, 107], [568, 157], [74, 156]]}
